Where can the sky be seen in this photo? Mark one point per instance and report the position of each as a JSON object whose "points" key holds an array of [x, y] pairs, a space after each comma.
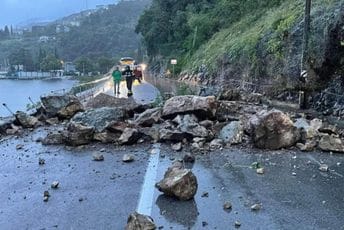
{"points": [[15, 12]]}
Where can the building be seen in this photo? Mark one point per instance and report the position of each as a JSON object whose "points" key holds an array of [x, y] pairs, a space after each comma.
{"points": [[69, 67]]}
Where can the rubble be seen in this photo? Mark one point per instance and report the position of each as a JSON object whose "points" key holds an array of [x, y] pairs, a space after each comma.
{"points": [[129, 136], [55, 184], [97, 156], [178, 182], [138, 221], [189, 158], [177, 147], [256, 207], [128, 158], [227, 205], [323, 168], [260, 171]]}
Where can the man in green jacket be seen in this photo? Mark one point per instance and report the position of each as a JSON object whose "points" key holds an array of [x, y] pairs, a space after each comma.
{"points": [[117, 77]]}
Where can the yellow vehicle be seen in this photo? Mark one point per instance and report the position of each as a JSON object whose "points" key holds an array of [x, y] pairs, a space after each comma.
{"points": [[127, 61]]}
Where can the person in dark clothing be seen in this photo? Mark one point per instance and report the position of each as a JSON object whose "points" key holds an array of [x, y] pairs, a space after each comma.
{"points": [[129, 77], [138, 74]]}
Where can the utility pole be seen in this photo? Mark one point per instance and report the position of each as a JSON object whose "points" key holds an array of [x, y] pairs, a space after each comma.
{"points": [[303, 97]]}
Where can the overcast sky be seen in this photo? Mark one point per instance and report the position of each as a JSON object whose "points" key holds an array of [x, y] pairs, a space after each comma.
{"points": [[13, 12]]}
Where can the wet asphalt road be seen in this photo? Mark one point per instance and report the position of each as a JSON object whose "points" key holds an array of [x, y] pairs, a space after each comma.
{"points": [[100, 195], [110, 190]]}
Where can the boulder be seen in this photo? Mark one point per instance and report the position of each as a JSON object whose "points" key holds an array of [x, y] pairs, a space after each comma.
{"points": [[273, 130], [202, 107], [52, 121], [129, 136], [128, 105], [138, 221], [5, 123], [227, 111], [100, 118], [106, 137], [175, 135], [307, 147], [188, 124], [64, 106], [78, 134], [149, 117], [53, 138], [13, 130], [216, 144], [331, 143], [232, 133], [151, 132], [26, 120], [308, 130], [177, 147], [178, 182]]}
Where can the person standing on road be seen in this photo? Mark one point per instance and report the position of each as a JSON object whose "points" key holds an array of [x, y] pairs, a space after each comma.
{"points": [[138, 74], [117, 77], [129, 77]]}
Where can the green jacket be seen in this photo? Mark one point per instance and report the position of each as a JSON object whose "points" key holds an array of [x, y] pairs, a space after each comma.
{"points": [[117, 75]]}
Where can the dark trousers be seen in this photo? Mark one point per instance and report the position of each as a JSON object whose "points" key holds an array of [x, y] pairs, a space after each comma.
{"points": [[116, 86], [129, 81]]}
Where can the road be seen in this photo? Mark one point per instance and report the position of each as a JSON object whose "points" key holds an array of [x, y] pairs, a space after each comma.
{"points": [[100, 195]]}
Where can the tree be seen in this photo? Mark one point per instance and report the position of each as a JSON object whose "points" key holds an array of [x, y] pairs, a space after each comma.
{"points": [[22, 57], [50, 62], [7, 34], [84, 65], [105, 64]]}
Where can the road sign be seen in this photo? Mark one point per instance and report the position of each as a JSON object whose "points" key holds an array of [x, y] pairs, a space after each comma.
{"points": [[173, 61]]}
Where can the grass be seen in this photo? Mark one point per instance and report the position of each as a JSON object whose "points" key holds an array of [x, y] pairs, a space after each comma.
{"points": [[240, 40]]}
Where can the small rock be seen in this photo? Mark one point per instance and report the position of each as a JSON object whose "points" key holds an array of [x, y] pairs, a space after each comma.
{"points": [[55, 184], [227, 205], [293, 173], [81, 199], [177, 147], [41, 161], [256, 207], [46, 196], [98, 157], [204, 223], [237, 224], [45, 199], [102, 150], [323, 168], [260, 171], [128, 158], [189, 158], [138, 221], [19, 146], [205, 194]]}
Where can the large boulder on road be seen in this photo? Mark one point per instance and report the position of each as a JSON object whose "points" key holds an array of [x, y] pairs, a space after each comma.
{"points": [[129, 105], [149, 117], [273, 130], [63, 106], [129, 136], [188, 124], [202, 107], [331, 143], [100, 118], [78, 134], [178, 182], [26, 120], [138, 221], [232, 133], [6, 123]]}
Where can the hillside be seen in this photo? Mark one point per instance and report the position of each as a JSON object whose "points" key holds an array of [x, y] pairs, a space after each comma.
{"points": [[105, 33], [260, 42]]}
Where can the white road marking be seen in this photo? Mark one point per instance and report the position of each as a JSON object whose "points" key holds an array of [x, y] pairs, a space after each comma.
{"points": [[145, 203]]}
